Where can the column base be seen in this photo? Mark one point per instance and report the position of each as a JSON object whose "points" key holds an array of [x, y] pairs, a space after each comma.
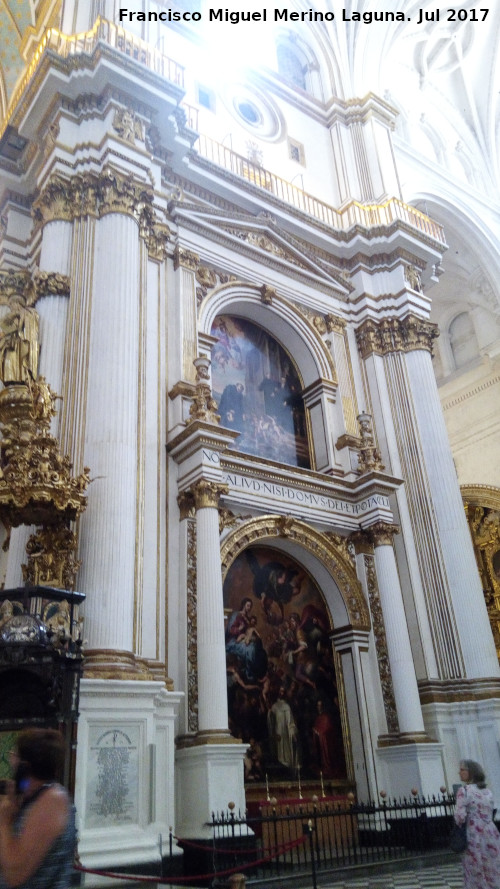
{"points": [[109, 663], [209, 776], [414, 765]]}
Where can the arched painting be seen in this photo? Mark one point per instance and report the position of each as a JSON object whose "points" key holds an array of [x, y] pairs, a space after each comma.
{"points": [[282, 689], [258, 392]]}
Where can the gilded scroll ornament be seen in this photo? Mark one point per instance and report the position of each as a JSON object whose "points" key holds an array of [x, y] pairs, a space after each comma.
{"points": [[395, 335], [381, 645]]}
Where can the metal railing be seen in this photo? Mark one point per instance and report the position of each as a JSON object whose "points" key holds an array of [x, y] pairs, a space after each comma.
{"points": [[353, 214], [326, 835], [103, 31]]}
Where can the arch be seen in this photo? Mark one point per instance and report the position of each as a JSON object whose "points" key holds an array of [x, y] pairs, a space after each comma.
{"points": [[463, 340], [280, 318], [319, 553], [297, 63]]}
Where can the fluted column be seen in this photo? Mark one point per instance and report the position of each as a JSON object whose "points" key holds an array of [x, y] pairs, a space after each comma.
{"points": [[477, 644], [396, 630], [212, 683], [107, 535]]}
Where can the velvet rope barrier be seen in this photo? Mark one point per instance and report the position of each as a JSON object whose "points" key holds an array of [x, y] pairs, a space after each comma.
{"points": [[280, 850]]}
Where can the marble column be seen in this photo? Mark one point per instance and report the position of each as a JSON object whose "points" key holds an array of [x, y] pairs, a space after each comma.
{"points": [[212, 682], [396, 630], [108, 527]]}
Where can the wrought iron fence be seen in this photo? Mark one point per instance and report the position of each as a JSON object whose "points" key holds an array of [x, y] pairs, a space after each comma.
{"points": [[321, 836]]}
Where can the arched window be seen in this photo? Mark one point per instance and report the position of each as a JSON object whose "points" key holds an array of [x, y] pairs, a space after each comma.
{"points": [[463, 340], [258, 392], [290, 65]]}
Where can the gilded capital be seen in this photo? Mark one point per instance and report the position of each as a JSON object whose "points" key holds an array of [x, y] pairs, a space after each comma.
{"points": [[185, 502], [207, 494], [186, 259], [96, 194], [51, 284], [362, 542], [382, 533], [395, 335]]}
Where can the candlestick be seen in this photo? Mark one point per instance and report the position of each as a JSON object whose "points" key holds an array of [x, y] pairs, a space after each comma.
{"points": [[322, 787], [300, 789], [267, 790]]}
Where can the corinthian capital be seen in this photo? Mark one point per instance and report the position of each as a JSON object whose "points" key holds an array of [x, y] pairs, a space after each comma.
{"points": [[382, 533], [207, 494], [395, 335]]}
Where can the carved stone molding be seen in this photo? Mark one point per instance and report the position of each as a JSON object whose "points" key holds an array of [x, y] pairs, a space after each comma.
{"points": [[382, 533], [266, 528], [381, 645], [207, 494], [395, 335]]}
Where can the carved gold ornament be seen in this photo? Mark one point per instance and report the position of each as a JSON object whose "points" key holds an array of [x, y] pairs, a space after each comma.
{"points": [[93, 194], [204, 407], [51, 560], [36, 484], [484, 526], [370, 459], [395, 335]]}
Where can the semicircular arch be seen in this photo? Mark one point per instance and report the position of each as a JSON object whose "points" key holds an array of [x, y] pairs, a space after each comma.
{"points": [[280, 318], [317, 552]]}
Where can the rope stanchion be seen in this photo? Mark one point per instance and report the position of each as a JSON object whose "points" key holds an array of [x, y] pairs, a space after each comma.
{"points": [[280, 850]]}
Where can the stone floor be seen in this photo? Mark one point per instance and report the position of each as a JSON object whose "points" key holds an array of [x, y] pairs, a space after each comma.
{"points": [[443, 876]]}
